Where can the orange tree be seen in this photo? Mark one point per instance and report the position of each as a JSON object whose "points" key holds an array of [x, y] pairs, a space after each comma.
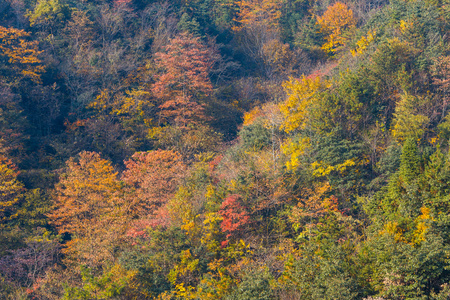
{"points": [[18, 56], [183, 80], [152, 179], [88, 206]]}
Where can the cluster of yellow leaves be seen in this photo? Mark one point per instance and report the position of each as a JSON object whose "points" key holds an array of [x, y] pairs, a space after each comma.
{"points": [[408, 122], [89, 206], [211, 230], [44, 11], [423, 223], [181, 210], [392, 228], [302, 94], [133, 102], [321, 169], [21, 54], [268, 113], [418, 235], [101, 101], [187, 265], [363, 43], [405, 26], [252, 116], [108, 285], [10, 189], [294, 150], [335, 23], [216, 284]]}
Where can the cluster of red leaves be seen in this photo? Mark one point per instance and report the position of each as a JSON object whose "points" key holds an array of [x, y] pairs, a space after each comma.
{"points": [[234, 215], [322, 72]]}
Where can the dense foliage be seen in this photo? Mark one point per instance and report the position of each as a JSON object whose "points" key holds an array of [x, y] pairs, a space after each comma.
{"points": [[221, 149]]}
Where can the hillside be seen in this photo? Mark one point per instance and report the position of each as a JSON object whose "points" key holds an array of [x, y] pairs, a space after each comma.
{"points": [[221, 149]]}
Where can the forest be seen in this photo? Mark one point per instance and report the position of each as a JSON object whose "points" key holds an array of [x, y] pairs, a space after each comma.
{"points": [[224, 149]]}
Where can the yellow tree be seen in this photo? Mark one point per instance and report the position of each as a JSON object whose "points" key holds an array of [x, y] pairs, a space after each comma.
{"points": [[18, 55], [258, 12], [335, 24], [89, 207], [301, 94], [10, 190], [296, 111], [409, 120]]}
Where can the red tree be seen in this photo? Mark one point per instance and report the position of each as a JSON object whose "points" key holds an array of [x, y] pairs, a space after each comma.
{"points": [[183, 80], [233, 214], [153, 178]]}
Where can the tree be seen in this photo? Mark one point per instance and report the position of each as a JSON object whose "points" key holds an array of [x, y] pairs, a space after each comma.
{"points": [[258, 13], [19, 56], [111, 284], [254, 285], [182, 87], [89, 207], [323, 272], [10, 191], [257, 26], [234, 215], [335, 23], [27, 265], [279, 60], [441, 78], [409, 122], [81, 71], [183, 80], [302, 94], [12, 123], [312, 211], [153, 178], [49, 14]]}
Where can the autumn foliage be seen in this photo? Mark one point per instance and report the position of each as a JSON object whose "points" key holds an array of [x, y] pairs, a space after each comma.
{"points": [[234, 215], [336, 23], [89, 206], [20, 54], [10, 190], [183, 83], [258, 13], [152, 178], [224, 149]]}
